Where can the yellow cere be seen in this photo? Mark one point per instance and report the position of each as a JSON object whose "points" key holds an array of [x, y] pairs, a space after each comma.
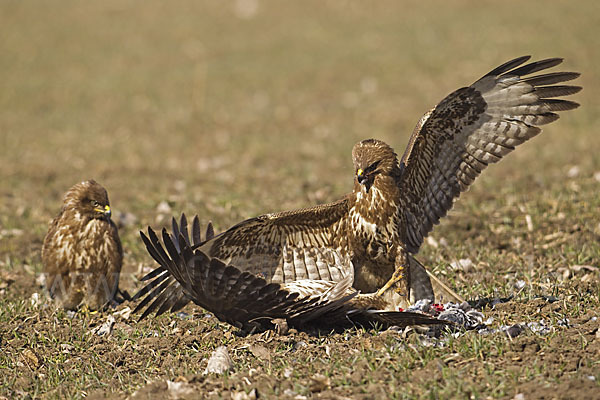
{"points": [[359, 172]]}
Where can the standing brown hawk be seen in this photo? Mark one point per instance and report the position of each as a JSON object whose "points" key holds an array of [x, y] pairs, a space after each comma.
{"points": [[375, 230], [82, 252]]}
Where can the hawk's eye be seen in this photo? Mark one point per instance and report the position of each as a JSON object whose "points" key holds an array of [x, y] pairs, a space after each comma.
{"points": [[372, 167], [95, 203]]}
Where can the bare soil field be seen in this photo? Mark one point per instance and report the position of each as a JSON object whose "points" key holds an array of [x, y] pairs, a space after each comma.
{"points": [[233, 109]]}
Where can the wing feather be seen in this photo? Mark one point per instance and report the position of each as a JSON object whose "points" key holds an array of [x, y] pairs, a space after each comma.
{"points": [[471, 128], [280, 247], [250, 302]]}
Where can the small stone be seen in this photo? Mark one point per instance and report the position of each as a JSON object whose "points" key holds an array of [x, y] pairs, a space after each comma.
{"points": [[574, 171], [163, 208], [219, 361], [319, 382], [432, 242], [300, 345], [464, 264], [179, 389]]}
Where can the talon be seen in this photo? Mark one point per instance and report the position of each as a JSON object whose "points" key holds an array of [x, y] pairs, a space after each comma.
{"points": [[400, 291], [385, 287], [396, 277]]}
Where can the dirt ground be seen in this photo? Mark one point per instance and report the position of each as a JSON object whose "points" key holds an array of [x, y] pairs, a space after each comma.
{"points": [[171, 354], [230, 110]]}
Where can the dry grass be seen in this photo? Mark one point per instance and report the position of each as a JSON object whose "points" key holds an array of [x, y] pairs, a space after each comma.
{"points": [[228, 115]]}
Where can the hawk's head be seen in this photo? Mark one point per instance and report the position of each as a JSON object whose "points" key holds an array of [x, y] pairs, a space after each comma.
{"points": [[373, 158], [89, 199]]}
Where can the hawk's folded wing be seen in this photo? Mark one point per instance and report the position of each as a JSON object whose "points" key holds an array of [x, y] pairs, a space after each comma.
{"points": [[469, 129]]}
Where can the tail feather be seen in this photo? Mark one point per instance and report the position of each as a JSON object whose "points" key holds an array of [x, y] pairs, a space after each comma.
{"points": [[246, 300], [161, 278]]}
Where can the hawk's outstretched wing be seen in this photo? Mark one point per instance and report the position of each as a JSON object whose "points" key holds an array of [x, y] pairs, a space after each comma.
{"points": [[310, 243], [250, 302], [469, 129]]}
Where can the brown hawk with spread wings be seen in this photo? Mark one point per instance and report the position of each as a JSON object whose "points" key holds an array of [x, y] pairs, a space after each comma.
{"points": [[248, 301], [375, 230], [82, 253]]}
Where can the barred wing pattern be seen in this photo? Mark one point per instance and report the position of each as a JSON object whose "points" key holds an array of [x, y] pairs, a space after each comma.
{"points": [[250, 302], [283, 247], [469, 129], [309, 243]]}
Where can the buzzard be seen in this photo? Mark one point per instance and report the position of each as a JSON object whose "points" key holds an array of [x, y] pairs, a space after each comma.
{"points": [[82, 252], [374, 231], [248, 301]]}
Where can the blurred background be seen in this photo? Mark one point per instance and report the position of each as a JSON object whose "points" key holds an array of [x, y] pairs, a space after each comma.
{"points": [[230, 109]]}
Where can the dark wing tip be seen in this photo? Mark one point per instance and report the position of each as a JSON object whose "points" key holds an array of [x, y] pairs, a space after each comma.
{"points": [[535, 66], [551, 78], [559, 104], [210, 231], [507, 66]]}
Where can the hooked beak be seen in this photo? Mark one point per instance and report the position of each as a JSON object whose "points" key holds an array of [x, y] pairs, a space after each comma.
{"points": [[106, 211], [363, 179], [360, 176]]}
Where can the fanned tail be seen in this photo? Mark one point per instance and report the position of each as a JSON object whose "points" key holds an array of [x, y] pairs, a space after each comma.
{"points": [[164, 292], [245, 300]]}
